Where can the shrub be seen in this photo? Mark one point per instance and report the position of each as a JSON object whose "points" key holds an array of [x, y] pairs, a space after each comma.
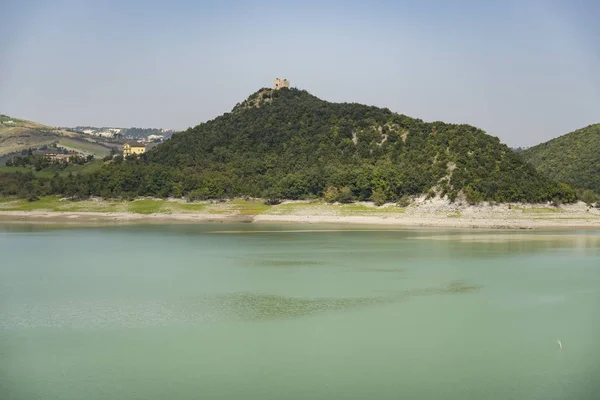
{"points": [[404, 201], [272, 197], [198, 194], [556, 202], [129, 196], [472, 195], [33, 196], [379, 197], [588, 197], [106, 194], [343, 195]]}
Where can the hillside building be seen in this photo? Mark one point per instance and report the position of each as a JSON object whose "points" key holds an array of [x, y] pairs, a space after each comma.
{"points": [[131, 148]]}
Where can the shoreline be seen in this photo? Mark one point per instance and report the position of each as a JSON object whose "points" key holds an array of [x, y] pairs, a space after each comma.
{"points": [[396, 220]]}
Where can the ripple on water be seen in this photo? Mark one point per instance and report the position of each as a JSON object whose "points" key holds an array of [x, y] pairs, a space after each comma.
{"points": [[579, 240], [284, 263], [238, 306]]}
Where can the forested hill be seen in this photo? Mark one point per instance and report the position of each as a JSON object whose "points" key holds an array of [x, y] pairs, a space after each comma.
{"points": [[290, 144], [573, 158]]}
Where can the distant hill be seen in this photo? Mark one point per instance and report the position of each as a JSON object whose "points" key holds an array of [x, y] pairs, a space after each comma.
{"points": [[573, 158], [17, 135]]}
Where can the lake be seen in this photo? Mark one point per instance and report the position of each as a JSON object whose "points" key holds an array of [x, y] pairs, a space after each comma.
{"points": [[247, 311]]}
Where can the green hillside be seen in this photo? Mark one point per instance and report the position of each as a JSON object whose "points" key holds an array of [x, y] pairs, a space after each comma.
{"points": [[573, 158], [290, 144], [294, 145]]}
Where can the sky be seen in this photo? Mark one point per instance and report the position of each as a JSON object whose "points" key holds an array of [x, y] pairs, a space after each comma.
{"points": [[524, 71]]}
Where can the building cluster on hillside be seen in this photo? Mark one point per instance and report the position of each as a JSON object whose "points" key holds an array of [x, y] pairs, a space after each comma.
{"points": [[58, 157], [124, 133], [106, 132]]}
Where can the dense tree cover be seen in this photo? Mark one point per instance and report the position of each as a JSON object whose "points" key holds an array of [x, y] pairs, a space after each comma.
{"points": [[122, 179], [290, 144], [297, 145], [573, 158]]}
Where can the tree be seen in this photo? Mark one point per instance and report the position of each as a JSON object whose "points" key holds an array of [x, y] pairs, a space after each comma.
{"points": [[345, 195]]}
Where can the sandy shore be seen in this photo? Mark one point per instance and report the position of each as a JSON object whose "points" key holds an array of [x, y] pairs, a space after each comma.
{"points": [[434, 222], [430, 214], [60, 216]]}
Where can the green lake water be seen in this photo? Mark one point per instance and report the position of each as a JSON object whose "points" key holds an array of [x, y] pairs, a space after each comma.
{"points": [[248, 311]]}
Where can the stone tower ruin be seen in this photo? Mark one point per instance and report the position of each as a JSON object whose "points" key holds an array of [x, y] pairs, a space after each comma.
{"points": [[280, 83]]}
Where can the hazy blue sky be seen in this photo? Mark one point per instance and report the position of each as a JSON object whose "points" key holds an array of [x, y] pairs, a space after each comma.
{"points": [[524, 71]]}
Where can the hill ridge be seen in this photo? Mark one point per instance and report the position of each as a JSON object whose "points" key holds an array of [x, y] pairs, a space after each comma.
{"points": [[573, 157]]}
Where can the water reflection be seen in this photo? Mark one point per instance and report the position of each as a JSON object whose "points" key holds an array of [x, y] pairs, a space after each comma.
{"points": [[257, 306]]}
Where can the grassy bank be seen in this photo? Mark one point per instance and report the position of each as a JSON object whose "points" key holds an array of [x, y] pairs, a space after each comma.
{"points": [[158, 206]]}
